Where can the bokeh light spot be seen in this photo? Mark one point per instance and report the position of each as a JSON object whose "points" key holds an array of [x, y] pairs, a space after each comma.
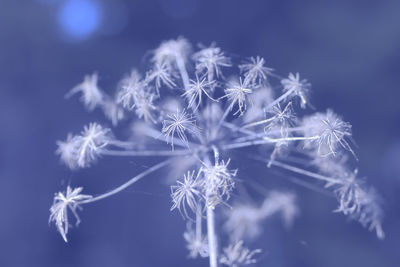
{"points": [[80, 18]]}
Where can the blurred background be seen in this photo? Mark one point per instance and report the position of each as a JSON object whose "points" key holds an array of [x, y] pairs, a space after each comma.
{"points": [[349, 50]]}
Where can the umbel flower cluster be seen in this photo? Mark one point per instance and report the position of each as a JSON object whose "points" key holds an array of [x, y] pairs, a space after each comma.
{"points": [[192, 110]]}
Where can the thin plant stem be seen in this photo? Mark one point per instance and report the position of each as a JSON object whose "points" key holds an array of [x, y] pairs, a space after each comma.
{"points": [[257, 123], [198, 222], [147, 153], [182, 71], [212, 238], [306, 173], [266, 140], [279, 99], [128, 183]]}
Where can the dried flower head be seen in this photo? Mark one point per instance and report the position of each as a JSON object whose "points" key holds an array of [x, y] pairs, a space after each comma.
{"points": [[296, 87], [92, 96], [236, 255], [59, 210], [254, 70], [186, 193]]}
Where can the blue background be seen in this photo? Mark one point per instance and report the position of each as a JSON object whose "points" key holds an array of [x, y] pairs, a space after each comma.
{"points": [[349, 50]]}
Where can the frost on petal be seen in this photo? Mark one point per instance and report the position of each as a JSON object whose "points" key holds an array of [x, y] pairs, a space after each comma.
{"points": [[297, 87], [236, 255], [254, 70], [92, 96], [186, 193], [237, 93], [59, 210], [179, 123]]}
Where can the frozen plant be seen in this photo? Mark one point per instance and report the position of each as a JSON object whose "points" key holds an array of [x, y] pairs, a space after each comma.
{"points": [[200, 125]]}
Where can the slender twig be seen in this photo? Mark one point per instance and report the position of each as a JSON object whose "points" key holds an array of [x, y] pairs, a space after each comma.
{"points": [[128, 183]]}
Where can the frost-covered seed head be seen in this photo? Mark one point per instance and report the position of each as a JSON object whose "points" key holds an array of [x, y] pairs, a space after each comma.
{"points": [[254, 70], [67, 150], [282, 119], [170, 51], [236, 255], [144, 106], [210, 60], [297, 86], [197, 246], [92, 141], [179, 123], [129, 88], [186, 194], [331, 132], [59, 210], [359, 203], [218, 182], [195, 92], [92, 96], [160, 74], [237, 93]]}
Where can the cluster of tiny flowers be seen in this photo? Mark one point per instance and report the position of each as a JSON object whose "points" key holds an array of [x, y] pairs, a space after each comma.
{"points": [[194, 121]]}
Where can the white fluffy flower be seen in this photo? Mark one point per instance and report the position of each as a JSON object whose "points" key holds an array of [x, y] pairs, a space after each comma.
{"points": [[329, 131], [237, 93], [92, 96], [197, 245], [255, 71], [129, 88], [170, 51], [92, 141], [160, 74], [218, 182], [210, 60], [281, 118], [178, 123], [297, 87], [68, 151], [196, 90], [59, 210], [359, 203], [236, 255], [82, 150], [186, 193]]}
